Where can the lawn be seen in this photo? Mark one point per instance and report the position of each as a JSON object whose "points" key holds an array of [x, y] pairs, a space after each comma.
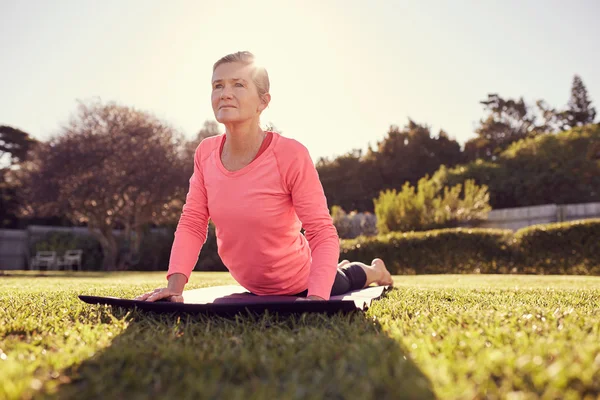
{"points": [[437, 336]]}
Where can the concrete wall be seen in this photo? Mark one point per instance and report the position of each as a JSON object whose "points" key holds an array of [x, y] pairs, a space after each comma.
{"points": [[13, 249], [517, 218]]}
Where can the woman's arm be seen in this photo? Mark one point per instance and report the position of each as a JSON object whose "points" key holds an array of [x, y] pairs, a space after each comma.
{"points": [[177, 282], [190, 236], [192, 229], [310, 204]]}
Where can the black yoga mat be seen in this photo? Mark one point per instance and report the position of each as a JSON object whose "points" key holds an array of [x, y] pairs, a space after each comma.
{"points": [[231, 299]]}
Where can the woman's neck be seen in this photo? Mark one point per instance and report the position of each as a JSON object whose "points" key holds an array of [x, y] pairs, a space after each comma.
{"points": [[243, 142]]}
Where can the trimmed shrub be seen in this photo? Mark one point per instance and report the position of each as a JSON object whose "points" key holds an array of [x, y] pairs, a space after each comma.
{"points": [[560, 248], [457, 250]]}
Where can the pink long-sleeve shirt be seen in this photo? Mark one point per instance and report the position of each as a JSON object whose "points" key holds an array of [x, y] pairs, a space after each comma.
{"points": [[258, 212]]}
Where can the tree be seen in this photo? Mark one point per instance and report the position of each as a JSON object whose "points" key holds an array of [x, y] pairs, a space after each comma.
{"points": [[562, 168], [579, 109], [507, 122], [409, 154], [111, 166], [353, 180], [209, 129], [551, 117], [8, 201], [348, 180], [15, 144], [479, 148], [511, 120]]}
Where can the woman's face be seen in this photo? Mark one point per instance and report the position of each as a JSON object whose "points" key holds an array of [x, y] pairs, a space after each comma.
{"points": [[234, 94]]}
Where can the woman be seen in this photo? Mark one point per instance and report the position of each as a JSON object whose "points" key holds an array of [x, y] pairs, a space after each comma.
{"points": [[259, 188]]}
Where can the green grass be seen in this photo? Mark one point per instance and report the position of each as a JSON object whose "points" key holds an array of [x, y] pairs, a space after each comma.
{"points": [[442, 336]]}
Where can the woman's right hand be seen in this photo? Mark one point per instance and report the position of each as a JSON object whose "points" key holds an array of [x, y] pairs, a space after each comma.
{"points": [[162, 293]]}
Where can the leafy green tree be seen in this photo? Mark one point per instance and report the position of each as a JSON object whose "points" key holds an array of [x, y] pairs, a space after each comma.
{"points": [[404, 155], [559, 168], [111, 167], [579, 110], [349, 180], [408, 154], [14, 144], [507, 121], [14, 147], [210, 128]]}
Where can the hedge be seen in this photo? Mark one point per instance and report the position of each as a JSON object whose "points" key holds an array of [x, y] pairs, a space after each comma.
{"points": [[558, 248], [561, 248], [458, 250]]}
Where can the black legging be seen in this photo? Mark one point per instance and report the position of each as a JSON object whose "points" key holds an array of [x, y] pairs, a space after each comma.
{"points": [[349, 277]]}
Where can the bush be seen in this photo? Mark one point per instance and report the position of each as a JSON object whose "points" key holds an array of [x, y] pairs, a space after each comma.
{"points": [[560, 248], [563, 248], [155, 252], [209, 259], [431, 206], [457, 250]]}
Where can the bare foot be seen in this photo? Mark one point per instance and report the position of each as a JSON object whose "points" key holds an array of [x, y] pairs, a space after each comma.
{"points": [[385, 278]]}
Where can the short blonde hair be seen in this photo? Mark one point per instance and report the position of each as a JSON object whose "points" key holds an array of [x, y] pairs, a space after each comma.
{"points": [[260, 77]]}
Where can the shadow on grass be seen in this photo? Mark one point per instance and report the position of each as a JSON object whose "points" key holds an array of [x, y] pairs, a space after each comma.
{"points": [[266, 356]]}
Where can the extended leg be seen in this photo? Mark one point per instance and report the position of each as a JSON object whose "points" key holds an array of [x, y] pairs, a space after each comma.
{"points": [[356, 275], [376, 272]]}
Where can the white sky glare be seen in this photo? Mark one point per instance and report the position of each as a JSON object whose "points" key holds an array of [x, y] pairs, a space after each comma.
{"points": [[341, 71]]}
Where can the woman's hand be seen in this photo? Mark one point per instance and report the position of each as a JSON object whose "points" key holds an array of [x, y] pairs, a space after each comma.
{"points": [[173, 291], [162, 293]]}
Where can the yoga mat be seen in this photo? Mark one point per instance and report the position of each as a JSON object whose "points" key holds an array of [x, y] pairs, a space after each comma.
{"points": [[231, 299]]}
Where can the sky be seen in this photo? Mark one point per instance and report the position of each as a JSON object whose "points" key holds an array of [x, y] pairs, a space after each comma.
{"points": [[341, 72]]}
